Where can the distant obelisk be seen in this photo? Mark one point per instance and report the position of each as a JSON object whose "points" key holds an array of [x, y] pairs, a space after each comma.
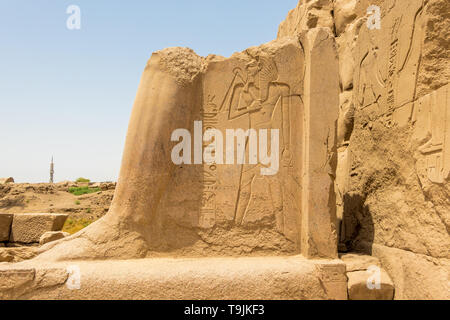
{"points": [[52, 170]]}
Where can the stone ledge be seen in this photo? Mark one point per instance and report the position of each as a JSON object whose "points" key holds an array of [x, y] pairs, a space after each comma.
{"points": [[265, 278]]}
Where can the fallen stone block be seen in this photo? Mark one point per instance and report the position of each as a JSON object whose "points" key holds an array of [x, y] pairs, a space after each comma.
{"points": [[29, 227], [11, 279], [5, 226], [416, 276], [52, 236], [366, 285], [6, 180]]}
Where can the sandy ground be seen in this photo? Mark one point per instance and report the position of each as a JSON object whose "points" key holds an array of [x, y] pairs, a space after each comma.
{"points": [[48, 198]]}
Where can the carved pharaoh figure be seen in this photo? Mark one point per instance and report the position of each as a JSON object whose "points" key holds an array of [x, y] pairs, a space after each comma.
{"points": [[258, 94]]}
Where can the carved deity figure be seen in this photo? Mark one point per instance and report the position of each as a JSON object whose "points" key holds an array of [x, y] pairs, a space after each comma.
{"points": [[257, 94]]}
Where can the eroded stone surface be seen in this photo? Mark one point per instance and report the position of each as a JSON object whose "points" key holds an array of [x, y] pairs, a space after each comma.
{"points": [[29, 227], [186, 279], [6, 180], [5, 226], [344, 14], [15, 278], [18, 283], [52, 236], [359, 262], [17, 254], [399, 151], [308, 14], [319, 157], [432, 134], [415, 276], [358, 289], [262, 212]]}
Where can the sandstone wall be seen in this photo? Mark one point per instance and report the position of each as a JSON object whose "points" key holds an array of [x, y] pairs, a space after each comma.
{"points": [[240, 211], [393, 182]]}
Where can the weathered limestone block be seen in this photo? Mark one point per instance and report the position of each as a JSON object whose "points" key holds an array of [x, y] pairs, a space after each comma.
{"points": [[434, 69], [363, 273], [307, 15], [359, 262], [432, 134], [17, 254], [333, 278], [18, 282], [262, 210], [29, 227], [14, 279], [52, 236], [6, 180], [103, 185], [416, 276], [346, 119], [346, 48], [358, 288], [5, 226], [65, 185], [344, 14], [212, 278], [420, 161]]}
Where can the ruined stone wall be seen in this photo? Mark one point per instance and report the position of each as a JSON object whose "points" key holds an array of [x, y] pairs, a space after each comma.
{"points": [[241, 211], [393, 176]]}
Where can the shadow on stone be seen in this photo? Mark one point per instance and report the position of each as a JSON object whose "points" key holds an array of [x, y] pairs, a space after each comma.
{"points": [[358, 225]]}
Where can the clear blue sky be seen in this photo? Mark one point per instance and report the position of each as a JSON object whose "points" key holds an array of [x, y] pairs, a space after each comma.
{"points": [[69, 93]]}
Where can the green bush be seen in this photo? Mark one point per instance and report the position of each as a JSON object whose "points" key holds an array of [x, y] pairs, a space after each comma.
{"points": [[78, 191], [83, 180]]}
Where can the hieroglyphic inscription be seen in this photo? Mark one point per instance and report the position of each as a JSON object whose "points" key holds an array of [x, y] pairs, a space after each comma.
{"points": [[207, 214], [386, 76], [392, 72], [432, 127]]}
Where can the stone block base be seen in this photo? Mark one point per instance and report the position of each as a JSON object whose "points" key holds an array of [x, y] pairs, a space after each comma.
{"points": [[265, 278]]}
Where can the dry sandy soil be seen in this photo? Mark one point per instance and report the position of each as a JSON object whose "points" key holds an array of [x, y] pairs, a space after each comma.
{"points": [[56, 198]]}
